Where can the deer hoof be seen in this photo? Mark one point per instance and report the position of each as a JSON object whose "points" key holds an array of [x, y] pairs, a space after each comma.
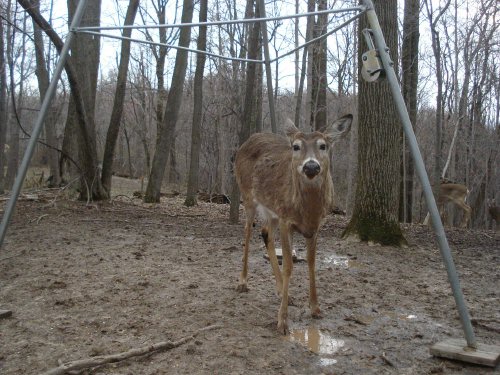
{"points": [[283, 327], [242, 288], [316, 312]]}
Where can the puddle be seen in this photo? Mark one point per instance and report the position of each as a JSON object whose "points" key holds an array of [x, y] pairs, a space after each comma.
{"points": [[367, 319], [279, 255], [399, 316], [342, 262], [317, 342]]}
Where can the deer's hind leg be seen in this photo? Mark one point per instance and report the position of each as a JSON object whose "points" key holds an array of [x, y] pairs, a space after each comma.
{"points": [[268, 236], [250, 217]]}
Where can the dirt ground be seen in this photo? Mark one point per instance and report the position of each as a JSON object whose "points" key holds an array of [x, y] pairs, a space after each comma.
{"points": [[89, 280]]}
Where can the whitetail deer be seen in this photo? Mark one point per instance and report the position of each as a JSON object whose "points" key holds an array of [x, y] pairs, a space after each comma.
{"points": [[288, 181], [457, 194]]}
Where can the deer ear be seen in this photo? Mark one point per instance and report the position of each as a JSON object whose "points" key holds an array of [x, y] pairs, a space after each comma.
{"points": [[290, 128], [338, 128]]}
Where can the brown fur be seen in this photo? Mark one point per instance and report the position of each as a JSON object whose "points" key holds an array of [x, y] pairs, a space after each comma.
{"points": [[274, 178], [457, 194]]}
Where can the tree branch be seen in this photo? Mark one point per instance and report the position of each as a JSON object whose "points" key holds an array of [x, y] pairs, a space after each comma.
{"points": [[82, 364]]}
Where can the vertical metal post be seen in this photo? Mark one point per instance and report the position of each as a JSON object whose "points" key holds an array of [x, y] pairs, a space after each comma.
{"points": [[421, 172], [267, 60], [23, 168]]}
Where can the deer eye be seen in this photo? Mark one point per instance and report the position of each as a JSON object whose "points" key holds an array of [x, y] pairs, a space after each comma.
{"points": [[322, 147], [296, 147]]}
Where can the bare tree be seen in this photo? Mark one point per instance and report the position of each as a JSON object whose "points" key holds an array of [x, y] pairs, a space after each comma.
{"points": [[192, 188], [318, 114], [433, 18], [15, 59], [165, 142], [409, 66], [81, 69], [3, 104], [248, 117], [375, 216], [42, 75], [116, 113]]}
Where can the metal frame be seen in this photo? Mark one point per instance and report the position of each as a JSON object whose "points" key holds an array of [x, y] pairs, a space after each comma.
{"points": [[383, 51]]}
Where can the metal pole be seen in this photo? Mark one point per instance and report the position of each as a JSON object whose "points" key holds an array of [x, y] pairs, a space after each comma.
{"points": [[220, 23], [267, 61], [422, 174], [23, 168]]}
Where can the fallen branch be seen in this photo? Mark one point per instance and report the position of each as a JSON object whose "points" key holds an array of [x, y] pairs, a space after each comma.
{"points": [[387, 360], [97, 361]]}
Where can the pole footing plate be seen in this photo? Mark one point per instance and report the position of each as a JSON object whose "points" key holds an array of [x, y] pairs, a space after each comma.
{"points": [[486, 355]]}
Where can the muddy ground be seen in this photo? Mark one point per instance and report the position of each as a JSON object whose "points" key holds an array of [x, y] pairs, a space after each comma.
{"points": [[89, 280]]}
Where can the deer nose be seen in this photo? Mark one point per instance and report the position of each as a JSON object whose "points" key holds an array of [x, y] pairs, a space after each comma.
{"points": [[311, 168]]}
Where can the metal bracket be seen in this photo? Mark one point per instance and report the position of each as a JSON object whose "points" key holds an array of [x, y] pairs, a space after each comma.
{"points": [[372, 66]]}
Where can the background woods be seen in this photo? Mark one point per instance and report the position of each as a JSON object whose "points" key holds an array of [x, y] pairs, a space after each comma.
{"points": [[143, 111]]}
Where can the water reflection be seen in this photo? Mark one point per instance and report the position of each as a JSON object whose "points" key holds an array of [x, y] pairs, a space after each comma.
{"points": [[317, 342], [342, 261]]}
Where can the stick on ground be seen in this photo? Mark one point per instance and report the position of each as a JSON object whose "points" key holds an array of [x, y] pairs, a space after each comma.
{"points": [[82, 364]]}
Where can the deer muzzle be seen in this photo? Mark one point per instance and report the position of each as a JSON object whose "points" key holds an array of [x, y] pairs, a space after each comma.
{"points": [[311, 168]]}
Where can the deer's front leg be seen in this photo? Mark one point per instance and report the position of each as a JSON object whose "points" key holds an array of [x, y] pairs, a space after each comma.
{"points": [[311, 263], [268, 236], [287, 273]]}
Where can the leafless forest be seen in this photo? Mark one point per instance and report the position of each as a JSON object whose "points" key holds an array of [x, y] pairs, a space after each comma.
{"points": [[118, 243], [456, 100]]}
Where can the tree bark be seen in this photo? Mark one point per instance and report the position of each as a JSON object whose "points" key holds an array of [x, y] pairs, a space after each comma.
{"points": [[42, 76], [409, 64], [248, 118], [116, 112], [318, 90], [375, 216], [436, 49], [17, 99], [174, 101], [81, 90], [3, 105], [194, 165]]}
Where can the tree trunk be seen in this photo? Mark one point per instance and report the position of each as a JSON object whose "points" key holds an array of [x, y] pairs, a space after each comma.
{"points": [[318, 90], [3, 106], [436, 49], [300, 92], [409, 64], [85, 53], [116, 112], [375, 216], [42, 76], [82, 79], [248, 118], [309, 110], [194, 166], [160, 57], [16, 103], [174, 101]]}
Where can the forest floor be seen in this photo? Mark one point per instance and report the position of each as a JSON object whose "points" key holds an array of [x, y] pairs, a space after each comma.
{"points": [[89, 280]]}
